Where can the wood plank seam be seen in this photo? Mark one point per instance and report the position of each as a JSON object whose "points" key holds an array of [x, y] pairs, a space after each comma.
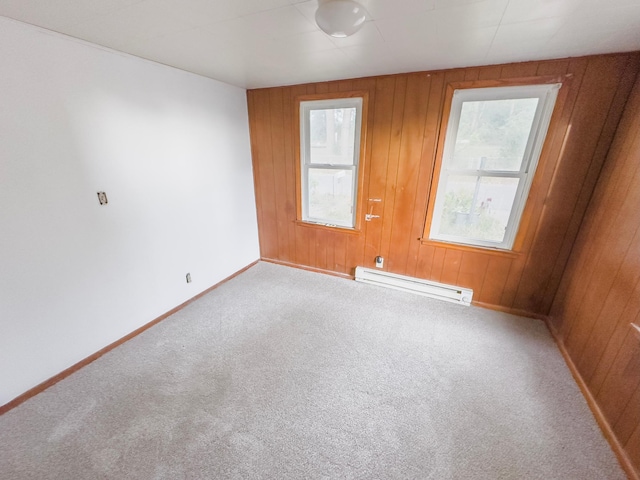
{"points": [[605, 427], [575, 213]]}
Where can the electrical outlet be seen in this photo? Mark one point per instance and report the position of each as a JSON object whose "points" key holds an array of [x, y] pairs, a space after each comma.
{"points": [[102, 198], [379, 261], [188, 278]]}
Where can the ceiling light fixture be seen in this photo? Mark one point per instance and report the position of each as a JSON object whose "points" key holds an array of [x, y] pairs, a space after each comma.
{"points": [[340, 18]]}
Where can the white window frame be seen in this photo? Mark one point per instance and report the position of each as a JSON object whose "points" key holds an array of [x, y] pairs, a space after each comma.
{"points": [[547, 94], [305, 156]]}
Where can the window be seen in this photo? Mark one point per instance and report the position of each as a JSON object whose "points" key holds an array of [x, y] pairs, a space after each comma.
{"points": [[493, 141], [329, 160]]}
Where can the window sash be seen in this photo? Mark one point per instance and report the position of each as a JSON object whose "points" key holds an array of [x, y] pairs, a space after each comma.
{"points": [[329, 222], [468, 240], [546, 95], [305, 157]]}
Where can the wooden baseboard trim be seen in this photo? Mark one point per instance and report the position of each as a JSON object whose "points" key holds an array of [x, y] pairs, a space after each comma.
{"points": [[310, 269], [91, 358], [607, 431], [512, 311]]}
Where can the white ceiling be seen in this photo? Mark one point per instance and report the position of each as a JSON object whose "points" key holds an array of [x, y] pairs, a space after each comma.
{"points": [[262, 43]]}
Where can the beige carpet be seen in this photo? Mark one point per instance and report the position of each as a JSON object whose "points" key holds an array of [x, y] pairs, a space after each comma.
{"points": [[286, 374]]}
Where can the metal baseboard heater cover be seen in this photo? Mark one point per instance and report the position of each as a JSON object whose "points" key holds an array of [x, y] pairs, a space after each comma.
{"points": [[441, 291]]}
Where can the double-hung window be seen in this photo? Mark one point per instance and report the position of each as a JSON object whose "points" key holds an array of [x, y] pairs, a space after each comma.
{"points": [[493, 141], [330, 133]]}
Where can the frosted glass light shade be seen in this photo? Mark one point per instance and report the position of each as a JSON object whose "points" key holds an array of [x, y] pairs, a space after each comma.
{"points": [[340, 18]]}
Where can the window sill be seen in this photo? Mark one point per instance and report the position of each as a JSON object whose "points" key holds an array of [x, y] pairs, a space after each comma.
{"points": [[332, 228], [471, 248]]}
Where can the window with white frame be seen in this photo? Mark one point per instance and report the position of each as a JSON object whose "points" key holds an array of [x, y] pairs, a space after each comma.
{"points": [[493, 142], [329, 158]]}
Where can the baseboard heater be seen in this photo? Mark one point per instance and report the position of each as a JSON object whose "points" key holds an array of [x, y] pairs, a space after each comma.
{"points": [[441, 291]]}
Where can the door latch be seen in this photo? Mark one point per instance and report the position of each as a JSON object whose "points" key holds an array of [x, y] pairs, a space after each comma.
{"points": [[369, 216]]}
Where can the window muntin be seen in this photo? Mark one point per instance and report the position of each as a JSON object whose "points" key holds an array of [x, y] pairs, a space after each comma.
{"points": [[329, 158], [492, 146]]}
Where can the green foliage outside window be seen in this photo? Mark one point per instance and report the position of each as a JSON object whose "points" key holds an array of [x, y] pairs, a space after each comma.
{"points": [[459, 219]]}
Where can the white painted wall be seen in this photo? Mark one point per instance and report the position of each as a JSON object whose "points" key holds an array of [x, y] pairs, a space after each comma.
{"points": [[171, 149]]}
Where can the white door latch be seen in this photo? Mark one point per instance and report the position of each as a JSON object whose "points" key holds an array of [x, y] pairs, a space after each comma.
{"points": [[369, 216]]}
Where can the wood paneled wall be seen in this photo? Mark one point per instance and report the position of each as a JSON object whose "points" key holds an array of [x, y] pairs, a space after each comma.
{"points": [[599, 295], [404, 128]]}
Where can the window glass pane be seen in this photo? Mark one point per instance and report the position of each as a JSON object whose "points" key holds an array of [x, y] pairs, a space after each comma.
{"points": [[493, 134], [477, 207], [332, 136], [318, 122], [331, 195]]}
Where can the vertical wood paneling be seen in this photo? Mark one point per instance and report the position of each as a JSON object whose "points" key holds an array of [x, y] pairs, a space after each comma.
{"points": [[553, 155], [565, 190], [451, 266], [340, 254], [553, 67], [435, 273], [413, 124], [473, 269], [633, 445], [604, 362], [256, 156], [379, 155], [513, 280], [425, 258], [429, 142], [604, 275], [539, 223], [581, 264], [276, 120], [519, 70], [355, 254], [263, 160], [330, 251], [629, 419], [599, 294], [289, 152], [321, 246], [404, 127], [389, 198], [608, 131], [490, 73], [612, 191], [493, 285], [310, 237], [613, 287], [621, 303], [622, 380]]}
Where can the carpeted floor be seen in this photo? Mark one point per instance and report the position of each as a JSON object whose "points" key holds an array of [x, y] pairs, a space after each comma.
{"points": [[286, 374]]}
